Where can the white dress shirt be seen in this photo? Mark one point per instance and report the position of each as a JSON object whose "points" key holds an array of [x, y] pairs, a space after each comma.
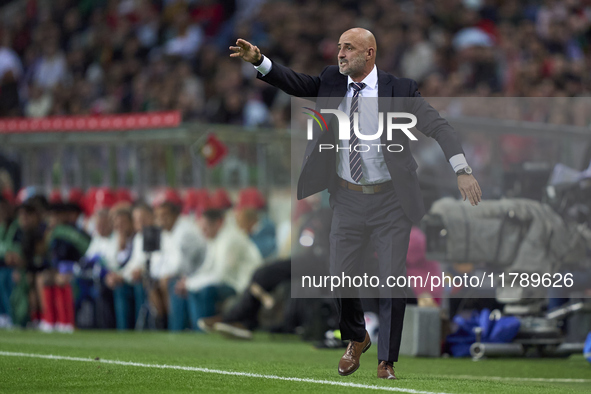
{"points": [[372, 162]]}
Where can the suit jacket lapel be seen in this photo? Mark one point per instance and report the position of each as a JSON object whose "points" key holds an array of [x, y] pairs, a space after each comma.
{"points": [[385, 82], [385, 93]]}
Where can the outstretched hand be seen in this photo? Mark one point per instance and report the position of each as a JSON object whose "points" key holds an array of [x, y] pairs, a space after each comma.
{"points": [[469, 188], [246, 51]]}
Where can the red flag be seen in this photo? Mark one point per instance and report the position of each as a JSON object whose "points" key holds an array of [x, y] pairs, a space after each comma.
{"points": [[213, 150]]}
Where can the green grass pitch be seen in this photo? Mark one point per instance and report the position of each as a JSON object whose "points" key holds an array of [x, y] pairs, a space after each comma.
{"points": [[282, 356]]}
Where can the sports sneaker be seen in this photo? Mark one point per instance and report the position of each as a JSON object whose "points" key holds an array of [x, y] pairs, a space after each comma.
{"points": [[64, 328], [233, 330], [5, 322], [45, 326], [206, 324]]}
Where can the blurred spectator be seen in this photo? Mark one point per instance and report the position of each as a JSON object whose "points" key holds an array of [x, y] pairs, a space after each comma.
{"points": [[182, 250], [148, 25], [100, 259], [256, 113], [33, 231], [8, 232], [187, 38], [11, 71], [125, 57], [418, 59], [250, 218], [229, 263], [39, 103], [128, 295], [242, 318], [66, 246], [417, 265], [128, 282], [102, 240], [191, 100], [230, 109], [52, 68], [143, 217]]}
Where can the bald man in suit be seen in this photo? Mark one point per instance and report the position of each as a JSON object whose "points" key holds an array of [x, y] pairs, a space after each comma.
{"points": [[374, 194]]}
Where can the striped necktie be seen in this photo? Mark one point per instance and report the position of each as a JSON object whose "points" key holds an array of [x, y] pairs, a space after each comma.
{"points": [[354, 156]]}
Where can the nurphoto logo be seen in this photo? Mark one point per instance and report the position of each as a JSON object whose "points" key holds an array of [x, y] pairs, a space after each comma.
{"points": [[345, 129]]}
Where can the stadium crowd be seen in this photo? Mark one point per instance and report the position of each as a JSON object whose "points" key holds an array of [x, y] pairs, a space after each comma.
{"points": [[96, 259], [192, 260], [100, 57], [105, 259]]}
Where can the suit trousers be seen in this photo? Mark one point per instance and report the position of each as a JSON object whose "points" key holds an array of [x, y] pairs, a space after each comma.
{"points": [[361, 224]]}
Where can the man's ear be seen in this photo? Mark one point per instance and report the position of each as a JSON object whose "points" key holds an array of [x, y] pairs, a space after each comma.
{"points": [[370, 53]]}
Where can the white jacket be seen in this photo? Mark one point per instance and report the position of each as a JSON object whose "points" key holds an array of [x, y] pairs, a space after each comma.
{"points": [[182, 251], [137, 259], [103, 248], [231, 259], [107, 248]]}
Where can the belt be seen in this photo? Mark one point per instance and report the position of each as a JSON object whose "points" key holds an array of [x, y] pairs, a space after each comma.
{"points": [[366, 189]]}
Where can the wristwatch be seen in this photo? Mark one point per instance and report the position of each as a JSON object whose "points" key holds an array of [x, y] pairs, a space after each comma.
{"points": [[464, 171]]}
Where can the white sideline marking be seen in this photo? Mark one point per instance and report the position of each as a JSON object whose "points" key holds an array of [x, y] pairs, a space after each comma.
{"points": [[328, 382], [217, 371], [515, 379]]}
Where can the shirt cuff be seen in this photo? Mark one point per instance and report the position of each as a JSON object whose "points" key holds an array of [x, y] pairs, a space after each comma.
{"points": [[265, 66], [458, 162]]}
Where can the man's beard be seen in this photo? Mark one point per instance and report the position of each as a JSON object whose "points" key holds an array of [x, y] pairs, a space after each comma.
{"points": [[355, 66]]}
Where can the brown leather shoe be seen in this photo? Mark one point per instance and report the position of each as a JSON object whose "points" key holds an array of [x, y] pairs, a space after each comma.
{"points": [[350, 361], [385, 371]]}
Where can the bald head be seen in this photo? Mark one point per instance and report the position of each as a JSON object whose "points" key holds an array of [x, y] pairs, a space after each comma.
{"points": [[363, 36], [357, 53]]}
